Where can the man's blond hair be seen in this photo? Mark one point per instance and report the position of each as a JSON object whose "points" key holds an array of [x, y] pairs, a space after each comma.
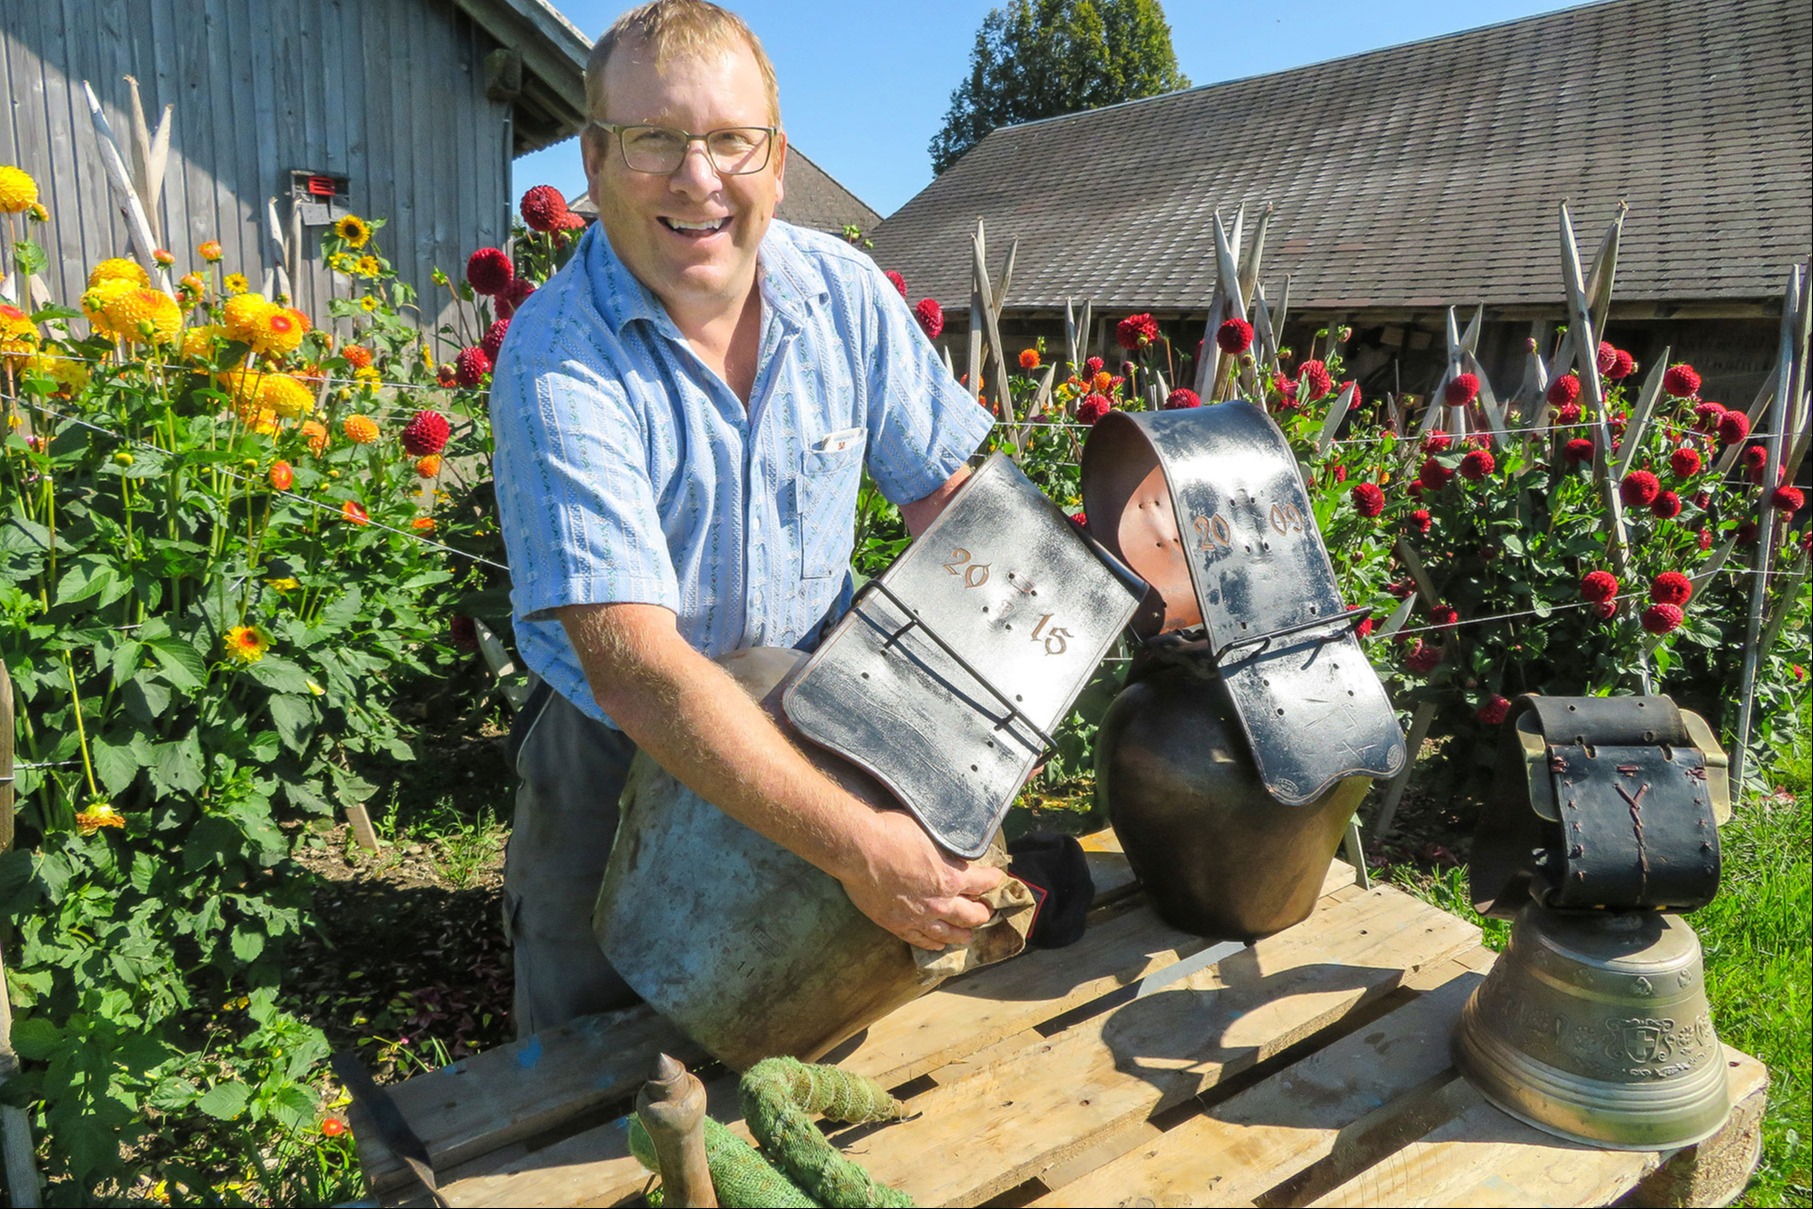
{"points": [[676, 29]]}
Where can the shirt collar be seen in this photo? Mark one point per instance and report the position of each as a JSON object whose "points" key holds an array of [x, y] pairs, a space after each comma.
{"points": [[621, 298]]}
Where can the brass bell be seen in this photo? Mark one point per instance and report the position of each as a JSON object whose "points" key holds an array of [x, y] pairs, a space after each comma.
{"points": [[1602, 829], [1595, 1027]]}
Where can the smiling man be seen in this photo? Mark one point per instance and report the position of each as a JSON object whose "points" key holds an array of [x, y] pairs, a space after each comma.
{"points": [[682, 416]]}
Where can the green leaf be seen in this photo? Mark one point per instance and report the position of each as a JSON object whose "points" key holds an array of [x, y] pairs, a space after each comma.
{"points": [[294, 718], [35, 1038], [181, 663], [1512, 543], [145, 697], [28, 258], [278, 674], [247, 944], [114, 764], [177, 766], [224, 1101], [293, 1107], [85, 577]]}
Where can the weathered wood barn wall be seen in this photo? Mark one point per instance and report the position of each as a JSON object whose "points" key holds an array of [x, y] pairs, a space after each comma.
{"points": [[389, 94]]}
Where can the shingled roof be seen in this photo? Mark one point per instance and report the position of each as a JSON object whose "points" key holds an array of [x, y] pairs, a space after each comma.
{"points": [[1418, 175]]}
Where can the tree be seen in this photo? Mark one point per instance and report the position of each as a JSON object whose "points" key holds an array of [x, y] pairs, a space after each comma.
{"points": [[1042, 58]]}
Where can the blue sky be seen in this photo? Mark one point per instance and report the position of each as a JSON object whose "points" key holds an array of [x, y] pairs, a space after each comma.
{"points": [[865, 85]]}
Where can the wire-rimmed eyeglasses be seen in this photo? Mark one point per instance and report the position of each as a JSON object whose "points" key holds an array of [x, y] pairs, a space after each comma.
{"points": [[733, 151]]}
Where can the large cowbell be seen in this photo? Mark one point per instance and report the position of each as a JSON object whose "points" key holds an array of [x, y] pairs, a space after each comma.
{"points": [[1251, 721], [946, 676]]}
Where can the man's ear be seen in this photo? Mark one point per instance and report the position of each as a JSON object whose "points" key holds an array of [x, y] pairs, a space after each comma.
{"points": [[780, 166], [592, 148]]}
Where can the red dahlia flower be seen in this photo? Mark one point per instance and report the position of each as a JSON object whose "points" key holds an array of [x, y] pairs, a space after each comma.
{"points": [[1667, 506], [1608, 356], [513, 296], [1623, 366], [1421, 520], [1685, 462], [1461, 390], [930, 316], [1662, 618], [1477, 465], [1433, 475], [494, 338], [1754, 457], [1368, 499], [1136, 331], [897, 281], [1705, 538], [1734, 426], [543, 208], [1437, 441], [1444, 616], [1671, 587], [1081, 518], [1493, 710], [1364, 628], [1093, 366], [1424, 658], [1788, 499], [1707, 416], [1639, 489], [1287, 391], [1578, 450], [1569, 414], [1605, 610], [1314, 375], [489, 271], [471, 366], [1340, 474], [1182, 397], [1599, 586], [1093, 407], [1359, 397], [1029, 359], [1564, 390], [1234, 336], [1681, 381], [425, 434]]}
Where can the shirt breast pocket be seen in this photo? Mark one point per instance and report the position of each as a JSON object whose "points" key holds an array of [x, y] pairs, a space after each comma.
{"points": [[826, 491]]}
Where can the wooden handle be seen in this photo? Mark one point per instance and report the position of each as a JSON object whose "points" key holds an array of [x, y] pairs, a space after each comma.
{"points": [[671, 1106]]}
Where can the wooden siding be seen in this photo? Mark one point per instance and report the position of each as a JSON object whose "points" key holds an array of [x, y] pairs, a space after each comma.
{"points": [[389, 93]]}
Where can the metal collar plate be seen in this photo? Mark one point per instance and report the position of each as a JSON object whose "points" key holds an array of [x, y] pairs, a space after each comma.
{"points": [[1206, 504], [949, 671]]}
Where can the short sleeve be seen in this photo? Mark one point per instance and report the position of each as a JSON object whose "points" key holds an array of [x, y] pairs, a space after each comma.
{"points": [[574, 494], [923, 426]]}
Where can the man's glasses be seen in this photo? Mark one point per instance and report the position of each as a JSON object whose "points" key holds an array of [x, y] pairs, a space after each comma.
{"points": [[734, 150]]}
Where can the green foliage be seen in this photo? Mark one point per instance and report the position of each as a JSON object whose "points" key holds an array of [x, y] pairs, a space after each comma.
{"points": [[1042, 58], [210, 611]]}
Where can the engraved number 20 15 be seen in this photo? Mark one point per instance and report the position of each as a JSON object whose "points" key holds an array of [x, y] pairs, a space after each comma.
{"points": [[1056, 639]]}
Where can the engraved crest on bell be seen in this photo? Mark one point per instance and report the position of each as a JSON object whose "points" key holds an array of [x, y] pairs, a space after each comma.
{"points": [[1595, 1027]]}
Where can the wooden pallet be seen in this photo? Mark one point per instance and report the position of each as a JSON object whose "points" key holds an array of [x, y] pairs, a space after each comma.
{"points": [[1309, 1068]]}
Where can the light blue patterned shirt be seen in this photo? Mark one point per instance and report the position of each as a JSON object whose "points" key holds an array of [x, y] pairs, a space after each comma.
{"points": [[629, 472]]}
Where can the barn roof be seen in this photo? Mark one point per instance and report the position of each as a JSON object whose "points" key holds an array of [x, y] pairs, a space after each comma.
{"points": [[548, 92], [1417, 175]]}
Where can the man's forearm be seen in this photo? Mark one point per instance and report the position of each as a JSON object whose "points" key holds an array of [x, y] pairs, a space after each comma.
{"points": [[692, 718]]}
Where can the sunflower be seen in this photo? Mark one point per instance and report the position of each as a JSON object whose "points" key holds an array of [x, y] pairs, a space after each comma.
{"points": [[97, 816], [283, 583], [235, 283], [368, 304], [246, 644], [343, 262], [353, 229]]}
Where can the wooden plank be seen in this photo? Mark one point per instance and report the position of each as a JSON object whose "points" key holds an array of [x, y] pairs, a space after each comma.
{"points": [[1484, 1158], [971, 1139], [514, 1092], [1258, 1139]]}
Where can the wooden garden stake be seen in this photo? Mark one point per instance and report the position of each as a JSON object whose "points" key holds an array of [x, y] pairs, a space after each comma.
{"points": [[138, 223], [977, 277], [1639, 416], [150, 151], [1794, 301], [6, 765], [671, 1106], [1413, 746]]}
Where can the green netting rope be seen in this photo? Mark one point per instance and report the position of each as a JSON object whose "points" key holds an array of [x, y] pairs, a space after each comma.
{"points": [[796, 1164]]}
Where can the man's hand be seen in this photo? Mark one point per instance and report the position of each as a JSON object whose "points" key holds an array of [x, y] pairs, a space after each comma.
{"points": [[912, 888]]}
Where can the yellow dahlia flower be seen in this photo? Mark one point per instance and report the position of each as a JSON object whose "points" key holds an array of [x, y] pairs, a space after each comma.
{"points": [[279, 331], [316, 432], [246, 644], [243, 316], [285, 396], [18, 336], [95, 300], [353, 229], [118, 268], [368, 375], [38, 212], [143, 314], [200, 341], [360, 430], [428, 465], [18, 191], [70, 375]]}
